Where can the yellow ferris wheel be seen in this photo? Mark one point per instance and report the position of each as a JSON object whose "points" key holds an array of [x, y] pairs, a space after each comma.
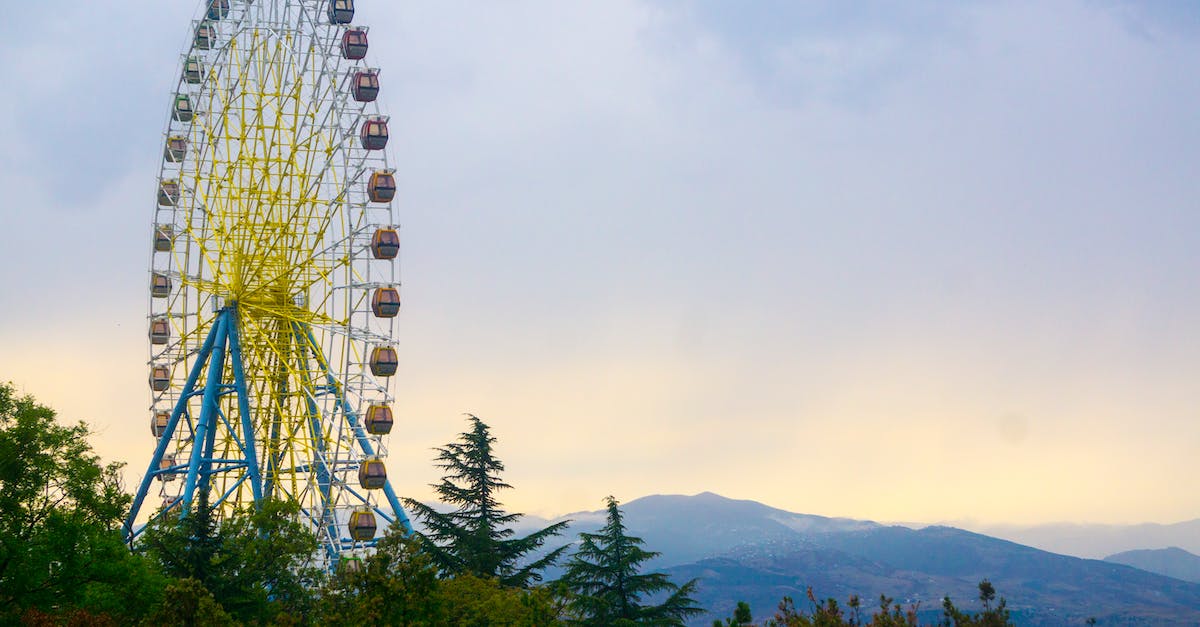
{"points": [[273, 281]]}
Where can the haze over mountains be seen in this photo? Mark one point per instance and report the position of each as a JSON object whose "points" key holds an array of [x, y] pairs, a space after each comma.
{"points": [[744, 550], [1098, 541]]}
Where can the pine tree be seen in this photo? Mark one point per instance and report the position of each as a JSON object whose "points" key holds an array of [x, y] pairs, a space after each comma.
{"points": [[475, 538], [608, 589]]}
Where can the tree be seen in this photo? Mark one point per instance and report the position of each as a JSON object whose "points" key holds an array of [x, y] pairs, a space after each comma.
{"points": [[475, 538], [256, 564], [395, 585], [60, 511], [398, 585], [991, 617], [829, 614], [470, 601], [185, 548], [268, 565], [187, 603], [608, 589], [742, 617]]}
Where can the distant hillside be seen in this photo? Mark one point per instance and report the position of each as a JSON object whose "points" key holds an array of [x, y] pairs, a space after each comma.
{"points": [[687, 528], [922, 566], [1173, 562], [1098, 541], [744, 550]]}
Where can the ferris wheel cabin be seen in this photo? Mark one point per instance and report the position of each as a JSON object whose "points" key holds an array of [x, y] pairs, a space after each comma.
{"points": [[366, 85], [182, 111], [385, 303], [205, 34], [159, 422], [160, 378], [384, 361], [160, 285], [341, 11], [354, 44], [218, 9], [193, 71], [166, 463], [164, 238], [385, 244], [176, 149], [160, 331], [362, 524], [372, 474], [379, 419], [168, 193], [374, 133], [382, 186]]}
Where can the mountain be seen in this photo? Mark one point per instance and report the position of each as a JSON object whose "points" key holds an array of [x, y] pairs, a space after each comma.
{"points": [[1172, 562], [687, 528], [744, 550], [923, 566], [1097, 541]]}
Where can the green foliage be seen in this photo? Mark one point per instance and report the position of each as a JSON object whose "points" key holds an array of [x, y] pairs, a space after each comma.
{"points": [[475, 538], [60, 510], [828, 613], [395, 585], [187, 603], [255, 564], [62, 561], [472, 601], [991, 617], [608, 588], [399, 585], [742, 617], [185, 548]]}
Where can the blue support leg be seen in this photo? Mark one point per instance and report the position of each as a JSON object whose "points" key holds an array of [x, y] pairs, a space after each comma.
{"points": [[239, 384], [208, 411], [324, 478], [156, 459], [360, 433]]}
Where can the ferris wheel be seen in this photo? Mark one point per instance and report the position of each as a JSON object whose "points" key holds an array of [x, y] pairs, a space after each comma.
{"points": [[273, 281]]}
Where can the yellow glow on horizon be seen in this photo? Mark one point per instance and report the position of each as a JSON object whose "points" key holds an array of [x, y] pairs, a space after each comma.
{"points": [[893, 436]]}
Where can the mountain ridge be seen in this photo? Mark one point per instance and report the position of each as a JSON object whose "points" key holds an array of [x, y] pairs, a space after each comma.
{"points": [[1171, 562], [745, 550], [1098, 540], [1093, 541]]}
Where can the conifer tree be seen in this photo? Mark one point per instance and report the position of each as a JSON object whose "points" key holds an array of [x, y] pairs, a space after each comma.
{"points": [[475, 538], [608, 589]]}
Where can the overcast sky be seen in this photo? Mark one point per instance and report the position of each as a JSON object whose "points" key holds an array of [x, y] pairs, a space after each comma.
{"points": [[900, 261]]}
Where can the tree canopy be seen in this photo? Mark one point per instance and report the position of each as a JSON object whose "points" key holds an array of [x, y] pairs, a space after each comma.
{"points": [[60, 511], [256, 564], [608, 588], [476, 538]]}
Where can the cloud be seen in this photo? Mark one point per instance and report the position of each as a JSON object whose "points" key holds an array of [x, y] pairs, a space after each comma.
{"points": [[666, 247]]}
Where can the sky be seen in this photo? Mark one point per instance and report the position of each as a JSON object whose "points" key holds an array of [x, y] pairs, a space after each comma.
{"points": [[903, 261]]}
